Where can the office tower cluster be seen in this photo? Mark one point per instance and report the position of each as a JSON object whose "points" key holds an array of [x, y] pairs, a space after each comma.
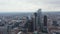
{"points": [[25, 24], [37, 23]]}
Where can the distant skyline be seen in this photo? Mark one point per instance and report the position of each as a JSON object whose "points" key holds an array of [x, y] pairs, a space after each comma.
{"points": [[29, 5]]}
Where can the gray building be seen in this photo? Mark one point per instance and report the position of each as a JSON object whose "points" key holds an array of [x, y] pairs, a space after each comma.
{"points": [[3, 30], [38, 20]]}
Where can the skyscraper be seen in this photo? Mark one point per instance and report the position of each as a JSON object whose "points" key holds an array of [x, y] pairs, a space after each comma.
{"points": [[39, 19], [45, 25], [45, 20], [35, 23]]}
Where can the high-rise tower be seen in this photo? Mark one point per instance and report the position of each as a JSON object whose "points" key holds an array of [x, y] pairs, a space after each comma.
{"points": [[39, 19], [45, 25], [45, 20], [35, 21]]}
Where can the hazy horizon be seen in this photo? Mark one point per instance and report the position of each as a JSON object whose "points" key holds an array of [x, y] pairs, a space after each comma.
{"points": [[28, 11]]}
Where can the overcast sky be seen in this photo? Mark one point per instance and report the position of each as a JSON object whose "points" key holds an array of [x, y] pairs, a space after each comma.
{"points": [[29, 5]]}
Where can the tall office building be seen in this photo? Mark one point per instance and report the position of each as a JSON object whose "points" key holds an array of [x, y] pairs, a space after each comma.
{"points": [[45, 20], [30, 26], [35, 21], [45, 25], [39, 14]]}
